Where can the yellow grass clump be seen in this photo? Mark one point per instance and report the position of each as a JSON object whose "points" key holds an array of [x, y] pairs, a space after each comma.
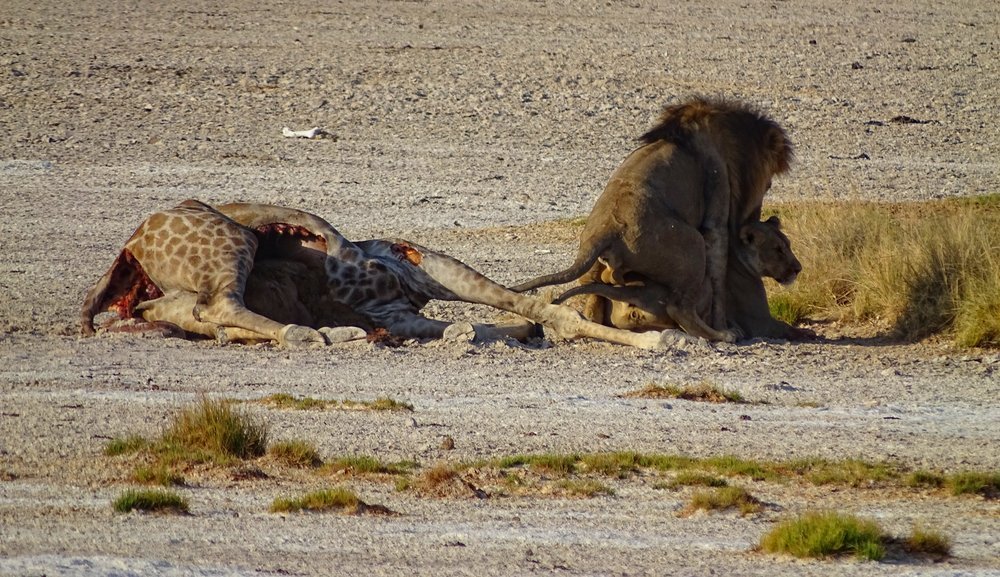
{"points": [[916, 270]]}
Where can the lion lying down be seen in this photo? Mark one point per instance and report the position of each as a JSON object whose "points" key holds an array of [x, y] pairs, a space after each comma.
{"points": [[636, 303], [250, 272]]}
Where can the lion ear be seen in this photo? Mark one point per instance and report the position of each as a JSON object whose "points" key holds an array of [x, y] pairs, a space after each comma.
{"points": [[774, 220], [746, 234]]}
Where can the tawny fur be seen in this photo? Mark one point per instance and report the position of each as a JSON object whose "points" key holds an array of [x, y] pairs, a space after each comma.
{"points": [[638, 304], [705, 167]]}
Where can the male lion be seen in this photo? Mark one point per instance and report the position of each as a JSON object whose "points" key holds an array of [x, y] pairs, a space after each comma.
{"points": [[641, 305], [706, 165]]}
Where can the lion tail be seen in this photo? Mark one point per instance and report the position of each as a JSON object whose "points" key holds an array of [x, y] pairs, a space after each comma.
{"points": [[584, 261]]}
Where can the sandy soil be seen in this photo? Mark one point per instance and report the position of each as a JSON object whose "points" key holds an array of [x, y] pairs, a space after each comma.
{"points": [[469, 127]]}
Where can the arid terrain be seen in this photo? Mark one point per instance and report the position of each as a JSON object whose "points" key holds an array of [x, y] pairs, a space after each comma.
{"points": [[483, 130]]}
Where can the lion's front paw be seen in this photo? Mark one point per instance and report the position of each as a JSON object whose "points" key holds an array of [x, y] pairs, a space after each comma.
{"points": [[297, 336], [731, 335]]}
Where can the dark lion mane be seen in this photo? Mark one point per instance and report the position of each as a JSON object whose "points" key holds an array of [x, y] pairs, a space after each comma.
{"points": [[759, 141]]}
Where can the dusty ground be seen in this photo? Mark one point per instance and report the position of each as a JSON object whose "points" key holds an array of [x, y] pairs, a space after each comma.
{"points": [[464, 127]]}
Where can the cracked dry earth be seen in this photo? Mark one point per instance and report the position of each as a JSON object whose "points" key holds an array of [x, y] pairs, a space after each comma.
{"points": [[482, 130]]}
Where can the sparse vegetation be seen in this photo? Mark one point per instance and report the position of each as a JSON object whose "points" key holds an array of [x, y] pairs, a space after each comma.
{"points": [[286, 401], [582, 488], [379, 404], [125, 445], [295, 454], [703, 391], [825, 534], [917, 269], [695, 478], [434, 479], [925, 479], [733, 466], [365, 465], [150, 500], [209, 431], [157, 474], [850, 472], [336, 499], [213, 428], [973, 482], [723, 498], [925, 541]]}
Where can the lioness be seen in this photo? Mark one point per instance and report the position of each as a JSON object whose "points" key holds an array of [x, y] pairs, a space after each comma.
{"points": [[640, 305], [707, 165]]}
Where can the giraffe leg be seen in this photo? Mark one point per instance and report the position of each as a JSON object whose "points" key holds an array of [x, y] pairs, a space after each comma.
{"points": [[463, 331], [228, 311], [468, 285], [226, 322]]}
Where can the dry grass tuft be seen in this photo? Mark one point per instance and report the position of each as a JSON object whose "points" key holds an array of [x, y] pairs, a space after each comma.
{"points": [[703, 391], [299, 454], [724, 498], [927, 542], [214, 428], [286, 401], [337, 499], [915, 269]]}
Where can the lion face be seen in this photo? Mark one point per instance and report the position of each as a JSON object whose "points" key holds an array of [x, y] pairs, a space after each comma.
{"points": [[766, 251]]}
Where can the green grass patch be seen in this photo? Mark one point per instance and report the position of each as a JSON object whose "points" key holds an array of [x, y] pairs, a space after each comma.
{"points": [[927, 542], [301, 454], [366, 465], [850, 472], [125, 445], [209, 431], [733, 466], [917, 269], [974, 482], [214, 428], [703, 391], [289, 402], [724, 498], [335, 499], [150, 501], [582, 488], [925, 480], [826, 534], [695, 479]]}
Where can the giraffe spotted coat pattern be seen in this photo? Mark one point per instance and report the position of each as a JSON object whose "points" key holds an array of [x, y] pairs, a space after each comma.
{"points": [[251, 272]]}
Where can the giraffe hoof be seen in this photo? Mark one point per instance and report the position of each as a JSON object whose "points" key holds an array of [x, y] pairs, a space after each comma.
{"points": [[335, 335], [460, 332], [296, 336]]}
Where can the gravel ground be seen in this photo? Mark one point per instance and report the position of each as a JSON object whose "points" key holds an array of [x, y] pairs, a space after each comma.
{"points": [[469, 127]]}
